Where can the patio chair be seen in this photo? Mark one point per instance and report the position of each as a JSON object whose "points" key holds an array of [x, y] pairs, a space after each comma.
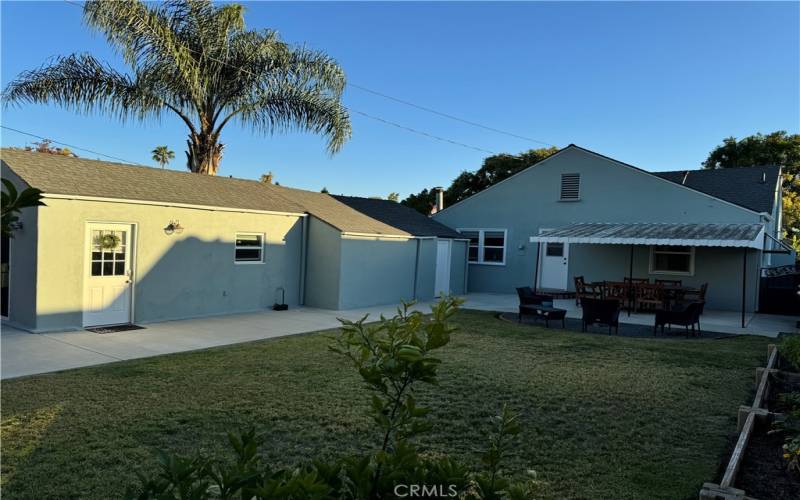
{"points": [[602, 311], [649, 297], [620, 292], [685, 316], [528, 297], [582, 289], [670, 282], [698, 295]]}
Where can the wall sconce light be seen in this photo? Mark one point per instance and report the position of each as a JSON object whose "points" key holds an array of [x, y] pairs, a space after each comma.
{"points": [[173, 227]]}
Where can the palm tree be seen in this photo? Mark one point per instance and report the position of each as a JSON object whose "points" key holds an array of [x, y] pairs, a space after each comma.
{"points": [[162, 155], [198, 61]]}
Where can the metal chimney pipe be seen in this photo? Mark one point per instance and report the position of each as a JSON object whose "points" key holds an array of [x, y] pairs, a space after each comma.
{"points": [[439, 198]]}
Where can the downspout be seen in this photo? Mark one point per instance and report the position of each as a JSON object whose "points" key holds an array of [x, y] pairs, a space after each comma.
{"points": [[303, 259], [466, 266], [416, 271]]}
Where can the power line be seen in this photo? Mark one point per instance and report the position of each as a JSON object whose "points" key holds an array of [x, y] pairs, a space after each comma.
{"points": [[446, 115], [68, 145], [383, 120]]}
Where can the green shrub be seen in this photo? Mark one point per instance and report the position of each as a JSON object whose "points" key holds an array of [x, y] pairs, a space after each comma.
{"points": [[790, 349], [392, 356]]}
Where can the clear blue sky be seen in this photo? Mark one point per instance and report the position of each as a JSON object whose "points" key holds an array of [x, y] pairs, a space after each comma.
{"points": [[657, 85]]}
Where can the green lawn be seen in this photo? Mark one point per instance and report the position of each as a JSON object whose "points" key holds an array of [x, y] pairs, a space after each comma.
{"points": [[603, 417]]}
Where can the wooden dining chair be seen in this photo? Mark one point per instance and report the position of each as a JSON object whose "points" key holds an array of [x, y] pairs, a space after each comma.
{"points": [[649, 297], [580, 289], [638, 281]]}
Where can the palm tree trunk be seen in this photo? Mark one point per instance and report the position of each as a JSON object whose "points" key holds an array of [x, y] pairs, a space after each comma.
{"points": [[204, 153]]}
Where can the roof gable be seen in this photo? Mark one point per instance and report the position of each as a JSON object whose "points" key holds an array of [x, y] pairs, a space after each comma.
{"points": [[761, 199]]}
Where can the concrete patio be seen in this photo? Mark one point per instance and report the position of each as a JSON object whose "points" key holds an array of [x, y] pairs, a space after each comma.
{"points": [[24, 353], [769, 325]]}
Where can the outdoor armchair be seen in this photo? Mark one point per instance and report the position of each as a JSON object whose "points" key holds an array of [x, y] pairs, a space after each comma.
{"points": [[602, 311], [687, 316]]}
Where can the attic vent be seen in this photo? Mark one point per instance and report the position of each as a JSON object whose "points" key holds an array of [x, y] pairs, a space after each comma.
{"points": [[570, 186]]}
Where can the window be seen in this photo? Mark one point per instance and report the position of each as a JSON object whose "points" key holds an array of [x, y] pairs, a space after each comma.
{"points": [[570, 187], [486, 246], [671, 260], [108, 253], [554, 250], [249, 248]]}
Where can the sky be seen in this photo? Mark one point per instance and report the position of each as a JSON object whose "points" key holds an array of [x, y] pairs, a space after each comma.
{"points": [[656, 85]]}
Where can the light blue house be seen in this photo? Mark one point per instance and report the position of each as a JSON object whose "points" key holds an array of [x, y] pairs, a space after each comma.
{"points": [[120, 244], [579, 213]]}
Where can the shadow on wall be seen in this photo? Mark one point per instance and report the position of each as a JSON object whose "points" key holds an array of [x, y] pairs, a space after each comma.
{"points": [[192, 278]]}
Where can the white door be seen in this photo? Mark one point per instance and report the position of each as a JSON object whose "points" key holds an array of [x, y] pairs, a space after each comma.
{"points": [[442, 282], [555, 259], [107, 275]]}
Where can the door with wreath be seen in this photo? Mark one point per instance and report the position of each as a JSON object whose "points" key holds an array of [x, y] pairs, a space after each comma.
{"points": [[107, 274]]}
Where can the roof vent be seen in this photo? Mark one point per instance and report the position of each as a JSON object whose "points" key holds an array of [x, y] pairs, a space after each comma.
{"points": [[570, 187]]}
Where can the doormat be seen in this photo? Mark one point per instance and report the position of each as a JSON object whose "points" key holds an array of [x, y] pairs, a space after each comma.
{"points": [[115, 329]]}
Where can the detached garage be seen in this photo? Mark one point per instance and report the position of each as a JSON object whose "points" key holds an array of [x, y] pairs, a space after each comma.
{"points": [[120, 244]]}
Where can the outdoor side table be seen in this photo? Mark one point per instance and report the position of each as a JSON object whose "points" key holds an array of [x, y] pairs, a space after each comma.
{"points": [[543, 312]]}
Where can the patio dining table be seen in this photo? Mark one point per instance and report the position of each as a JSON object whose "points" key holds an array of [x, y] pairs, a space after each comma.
{"points": [[672, 293]]}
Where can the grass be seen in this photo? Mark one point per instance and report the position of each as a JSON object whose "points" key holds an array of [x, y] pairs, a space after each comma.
{"points": [[603, 417]]}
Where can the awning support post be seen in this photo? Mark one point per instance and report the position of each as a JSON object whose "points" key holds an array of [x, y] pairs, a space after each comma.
{"points": [[744, 284], [536, 267], [630, 284]]}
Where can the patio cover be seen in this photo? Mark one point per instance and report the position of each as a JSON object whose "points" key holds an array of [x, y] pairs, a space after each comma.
{"points": [[696, 235]]}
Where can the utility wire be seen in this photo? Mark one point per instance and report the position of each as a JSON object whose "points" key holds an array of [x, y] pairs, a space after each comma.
{"points": [[383, 120], [446, 115], [68, 145]]}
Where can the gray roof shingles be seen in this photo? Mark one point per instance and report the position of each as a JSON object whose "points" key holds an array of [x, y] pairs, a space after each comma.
{"points": [[399, 216], [742, 186], [64, 175]]}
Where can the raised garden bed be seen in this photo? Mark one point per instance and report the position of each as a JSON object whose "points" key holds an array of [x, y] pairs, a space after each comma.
{"points": [[757, 468]]}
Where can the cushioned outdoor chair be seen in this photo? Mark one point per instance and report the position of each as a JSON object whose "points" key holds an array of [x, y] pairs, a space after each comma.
{"points": [[528, 297], [687, 316], [602, 311]]}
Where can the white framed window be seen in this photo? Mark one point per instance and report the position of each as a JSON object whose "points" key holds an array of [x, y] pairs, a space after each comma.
{"points": [[249, 248], [570, 187], [671, 260], [486, 246]]}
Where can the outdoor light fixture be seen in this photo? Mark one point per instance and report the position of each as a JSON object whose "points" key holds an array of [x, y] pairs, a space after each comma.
{"points": [[173, 227]]}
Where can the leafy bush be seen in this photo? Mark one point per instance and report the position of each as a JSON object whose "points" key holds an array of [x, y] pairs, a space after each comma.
{"points": [[790, 349], [392, 356]]}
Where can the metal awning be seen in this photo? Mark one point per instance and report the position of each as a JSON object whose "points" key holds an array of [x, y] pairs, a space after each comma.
{"points": [[696, 235]]}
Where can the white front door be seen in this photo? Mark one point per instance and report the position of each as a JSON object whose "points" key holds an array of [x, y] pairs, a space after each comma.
{"points": [[108, 274], [555, 259], [442, 282]]}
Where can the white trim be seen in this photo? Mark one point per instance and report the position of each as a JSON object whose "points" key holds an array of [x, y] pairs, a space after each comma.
{"points": [[573, 146], [237, 247], [134, 251], [481, 245], [690, 272], [372, 235], [168, 204], [653, 241]]}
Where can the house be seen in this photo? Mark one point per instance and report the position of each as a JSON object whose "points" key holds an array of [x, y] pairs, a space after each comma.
{"points": [[118, 243], [579, 213]]}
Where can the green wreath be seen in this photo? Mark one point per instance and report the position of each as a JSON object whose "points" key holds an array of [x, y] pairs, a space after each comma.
{"points": [[109, 241]]}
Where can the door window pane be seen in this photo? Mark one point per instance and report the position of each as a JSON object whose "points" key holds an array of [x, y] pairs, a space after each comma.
{"points": [[108, 253], [555, 250]]}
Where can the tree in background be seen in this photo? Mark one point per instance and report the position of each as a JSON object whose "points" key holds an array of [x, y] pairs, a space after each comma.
{"points": [[393, 197], [267, 178], [494, 169], [162, 155], [777, 148], [197, 60], [324, 190]]}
